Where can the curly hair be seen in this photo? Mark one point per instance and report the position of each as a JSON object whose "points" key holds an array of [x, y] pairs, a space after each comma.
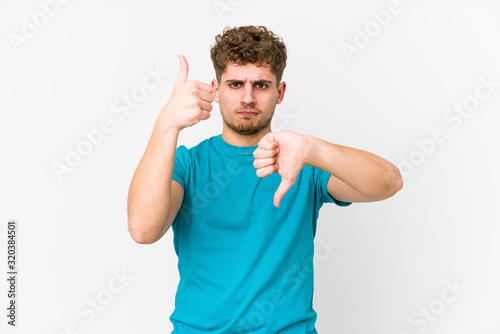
{"points": [[249, 44]]}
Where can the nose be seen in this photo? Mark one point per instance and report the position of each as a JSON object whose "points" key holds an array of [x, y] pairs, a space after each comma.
{"points": [[248, 95]]}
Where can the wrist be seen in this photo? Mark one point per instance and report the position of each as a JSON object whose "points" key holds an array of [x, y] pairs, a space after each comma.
{"points": [[309, 149], [165, 128], [166, 124], [317, 150]]}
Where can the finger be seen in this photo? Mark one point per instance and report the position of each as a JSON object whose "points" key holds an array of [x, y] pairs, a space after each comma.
{"points": [[282, 190], [204, 86], [268, 142], [206, 96], [260, 163], [262, 153], [205, 115], [267, 145], [182, 75], [265, 171], [205, 105]]}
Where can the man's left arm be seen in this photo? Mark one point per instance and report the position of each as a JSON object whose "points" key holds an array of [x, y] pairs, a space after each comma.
{"points": [[356, 175]]}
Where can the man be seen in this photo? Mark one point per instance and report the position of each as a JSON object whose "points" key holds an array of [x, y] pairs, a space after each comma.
{"points": [[245, 257]]}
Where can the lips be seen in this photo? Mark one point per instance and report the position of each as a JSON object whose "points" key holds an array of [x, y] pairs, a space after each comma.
{"points": [[247, 113]]}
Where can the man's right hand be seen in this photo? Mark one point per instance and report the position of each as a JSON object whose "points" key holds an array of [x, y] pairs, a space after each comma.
{"points": [[189, 103]]}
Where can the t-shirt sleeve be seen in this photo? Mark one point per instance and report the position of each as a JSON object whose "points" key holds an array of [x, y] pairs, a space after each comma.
{"points": [[181, 166], [323, 191]]}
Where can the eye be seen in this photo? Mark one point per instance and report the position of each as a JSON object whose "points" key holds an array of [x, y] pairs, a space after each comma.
{"points": [[261, 85], [234, 84]]}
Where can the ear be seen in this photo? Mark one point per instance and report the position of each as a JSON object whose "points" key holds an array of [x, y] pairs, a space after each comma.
{"points": [[281, 92], [215, 92]]}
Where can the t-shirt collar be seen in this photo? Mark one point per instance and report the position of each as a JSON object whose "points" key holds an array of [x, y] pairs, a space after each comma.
{"points": [[244, 151]]}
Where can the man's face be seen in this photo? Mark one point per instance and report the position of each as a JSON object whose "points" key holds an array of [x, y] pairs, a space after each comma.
{"points": [[247, 96]]}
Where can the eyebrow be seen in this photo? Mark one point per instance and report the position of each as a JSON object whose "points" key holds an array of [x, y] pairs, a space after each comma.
{"points": [[269, 82]]}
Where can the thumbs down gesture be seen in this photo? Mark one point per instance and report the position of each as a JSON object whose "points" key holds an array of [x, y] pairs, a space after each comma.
{"points": [[284, 153]]}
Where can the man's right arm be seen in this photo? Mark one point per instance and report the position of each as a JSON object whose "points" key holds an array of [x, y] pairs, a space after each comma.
{"points": [[153, 198]]}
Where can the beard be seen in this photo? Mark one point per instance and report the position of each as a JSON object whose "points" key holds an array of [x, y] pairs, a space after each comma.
{"points": [[248, 125]]}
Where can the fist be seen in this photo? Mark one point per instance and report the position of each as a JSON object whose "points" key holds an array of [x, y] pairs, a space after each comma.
{"points": [[283, 153]]}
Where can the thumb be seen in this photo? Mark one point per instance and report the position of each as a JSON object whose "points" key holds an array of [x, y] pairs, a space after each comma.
{"points": [[183, 70], [285, 185]]}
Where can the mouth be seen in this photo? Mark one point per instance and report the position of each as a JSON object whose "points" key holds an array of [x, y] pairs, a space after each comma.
{"points": [[247, 113]]}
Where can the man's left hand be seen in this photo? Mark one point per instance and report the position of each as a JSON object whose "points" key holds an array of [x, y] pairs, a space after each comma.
{"points": [[282, 152]]}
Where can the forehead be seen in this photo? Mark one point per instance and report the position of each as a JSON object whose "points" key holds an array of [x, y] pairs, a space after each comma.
{"points": [[248, 71]]}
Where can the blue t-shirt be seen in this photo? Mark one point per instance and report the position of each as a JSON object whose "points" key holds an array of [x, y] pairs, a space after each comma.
{"points": [[245, 266]]}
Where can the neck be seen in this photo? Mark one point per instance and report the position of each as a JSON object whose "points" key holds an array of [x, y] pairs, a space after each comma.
{"points": [[236, 139]]}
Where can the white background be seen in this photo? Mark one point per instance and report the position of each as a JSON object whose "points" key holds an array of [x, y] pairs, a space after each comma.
{"points": [[392, 260]]}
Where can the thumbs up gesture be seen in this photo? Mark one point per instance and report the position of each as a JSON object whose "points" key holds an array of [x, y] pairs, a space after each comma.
{"points": [[190, 101], [282, 152]]}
